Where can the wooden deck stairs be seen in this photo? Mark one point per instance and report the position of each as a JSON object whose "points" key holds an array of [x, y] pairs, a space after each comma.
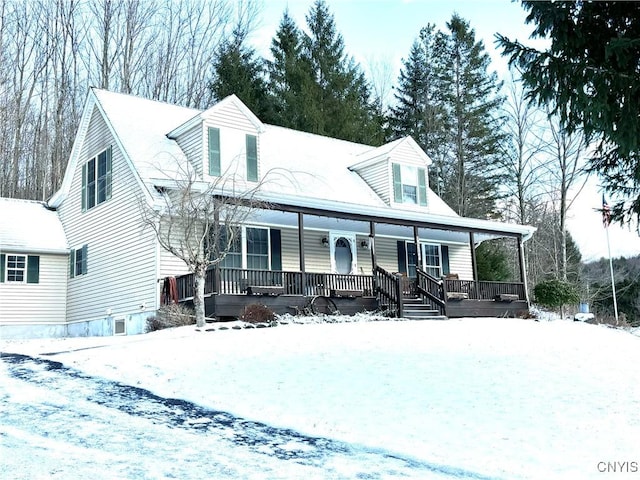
{"points": [[415, 309]]}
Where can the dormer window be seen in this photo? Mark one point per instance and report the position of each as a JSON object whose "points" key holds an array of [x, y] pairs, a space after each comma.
{"points": [[409, 184]]}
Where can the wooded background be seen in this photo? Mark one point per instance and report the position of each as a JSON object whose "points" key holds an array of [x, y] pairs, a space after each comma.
{"points": [[496, 155]]}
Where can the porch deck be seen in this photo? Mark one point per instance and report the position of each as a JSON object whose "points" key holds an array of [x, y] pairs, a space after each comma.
{"points": [[228, 291]]}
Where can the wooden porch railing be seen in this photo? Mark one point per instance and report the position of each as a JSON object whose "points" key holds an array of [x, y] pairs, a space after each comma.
{"points": [[484, 290], [229, 281], [432, 290], [389, 290], [387, 287]]}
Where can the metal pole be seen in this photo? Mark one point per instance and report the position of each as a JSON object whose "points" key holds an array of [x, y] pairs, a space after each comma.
{"points": [[613, 282]]}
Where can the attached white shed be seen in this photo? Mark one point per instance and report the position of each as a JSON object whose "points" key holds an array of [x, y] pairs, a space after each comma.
{"points": [[34, 265]]}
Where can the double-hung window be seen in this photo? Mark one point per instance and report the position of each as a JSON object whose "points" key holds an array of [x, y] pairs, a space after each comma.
{"points": [[431, 260], [96, 180], [257, 248], [233, 258], [409, 184], [78, 261], [250, 248], [17, 268]]}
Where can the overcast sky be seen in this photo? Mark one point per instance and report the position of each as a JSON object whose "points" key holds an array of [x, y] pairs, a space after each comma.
{"points": [[382, 31]]}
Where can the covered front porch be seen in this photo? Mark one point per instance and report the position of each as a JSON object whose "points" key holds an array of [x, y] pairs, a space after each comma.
{"points": [[228, 291], [408, 264]]}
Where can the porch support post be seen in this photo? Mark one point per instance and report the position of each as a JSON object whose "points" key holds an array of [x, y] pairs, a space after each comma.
{"points": [[474, 263], [416, 241], [523, 267], [301, 249], [216, 272], [372, 244]]}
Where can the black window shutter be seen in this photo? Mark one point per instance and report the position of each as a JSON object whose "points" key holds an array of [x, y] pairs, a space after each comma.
{"points": [[402, 257], [2, 260], [276, 249], [72, 263], [252, 158], [214, 151], [84, 259], [33, 269], [397, 182], [444, 250], [83, 199]]}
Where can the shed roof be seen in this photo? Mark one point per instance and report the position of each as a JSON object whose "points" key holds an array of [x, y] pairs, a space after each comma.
{"points": [[28, 226]]}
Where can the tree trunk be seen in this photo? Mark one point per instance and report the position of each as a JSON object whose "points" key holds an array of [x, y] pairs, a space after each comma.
{"points": [[198, 299]]}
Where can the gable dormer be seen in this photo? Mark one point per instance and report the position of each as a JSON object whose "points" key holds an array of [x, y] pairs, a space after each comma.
{"points": [[223, 140], [397, 172]]}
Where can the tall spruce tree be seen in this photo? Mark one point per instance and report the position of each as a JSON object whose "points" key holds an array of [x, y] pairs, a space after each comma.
{"points": [[473, 102], [316, 86], [449, 101], [419, 110], [289, 76], [238, 71]]}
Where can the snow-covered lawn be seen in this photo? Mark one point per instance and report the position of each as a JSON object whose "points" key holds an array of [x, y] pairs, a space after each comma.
{"points": [[495, 398]]}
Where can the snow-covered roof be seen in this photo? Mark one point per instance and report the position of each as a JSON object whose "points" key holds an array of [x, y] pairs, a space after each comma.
{"points": [[28, 226], [311, 170]]}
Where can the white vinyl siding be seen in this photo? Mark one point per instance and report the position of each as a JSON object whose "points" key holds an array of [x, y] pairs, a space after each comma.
{"points": [[317, 257], [122, 254], [234, 127], [42, 302], [377, 177], [170, 265], [387, 253], [190, 143], [364, 255], [290, 249], [230, 116], [406, 154], [460, 261]]}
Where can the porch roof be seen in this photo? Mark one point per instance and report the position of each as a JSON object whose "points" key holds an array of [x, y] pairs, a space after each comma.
{"points": [[393, 216]]}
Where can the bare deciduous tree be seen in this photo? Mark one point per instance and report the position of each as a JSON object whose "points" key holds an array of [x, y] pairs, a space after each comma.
{"points": [[199, 221], [568, 177], [51, 51]]}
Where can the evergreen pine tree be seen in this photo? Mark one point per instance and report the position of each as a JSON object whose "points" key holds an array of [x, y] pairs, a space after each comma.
{"points": [[419, 111], [473, 102], [239, 72], [316, 86], [288, 73]]}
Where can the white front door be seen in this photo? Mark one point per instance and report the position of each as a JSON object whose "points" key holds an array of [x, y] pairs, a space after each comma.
{"points": [[343, 253]]}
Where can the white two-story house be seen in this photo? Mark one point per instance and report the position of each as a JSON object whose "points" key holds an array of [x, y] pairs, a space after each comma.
{"points": [[351, 222]]}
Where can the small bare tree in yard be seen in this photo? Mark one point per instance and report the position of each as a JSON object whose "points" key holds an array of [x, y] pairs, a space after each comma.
{"points": [[199, 221]]}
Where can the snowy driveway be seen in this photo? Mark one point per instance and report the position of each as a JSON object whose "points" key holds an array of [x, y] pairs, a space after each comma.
{"points": [[59, 423]]}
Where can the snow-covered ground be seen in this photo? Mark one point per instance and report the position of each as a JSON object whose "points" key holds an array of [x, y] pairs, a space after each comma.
{"points": [[469, 398]]}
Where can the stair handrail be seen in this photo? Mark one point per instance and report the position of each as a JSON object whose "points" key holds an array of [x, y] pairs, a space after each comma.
{"points": [[388, 286], [432, 288]]}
